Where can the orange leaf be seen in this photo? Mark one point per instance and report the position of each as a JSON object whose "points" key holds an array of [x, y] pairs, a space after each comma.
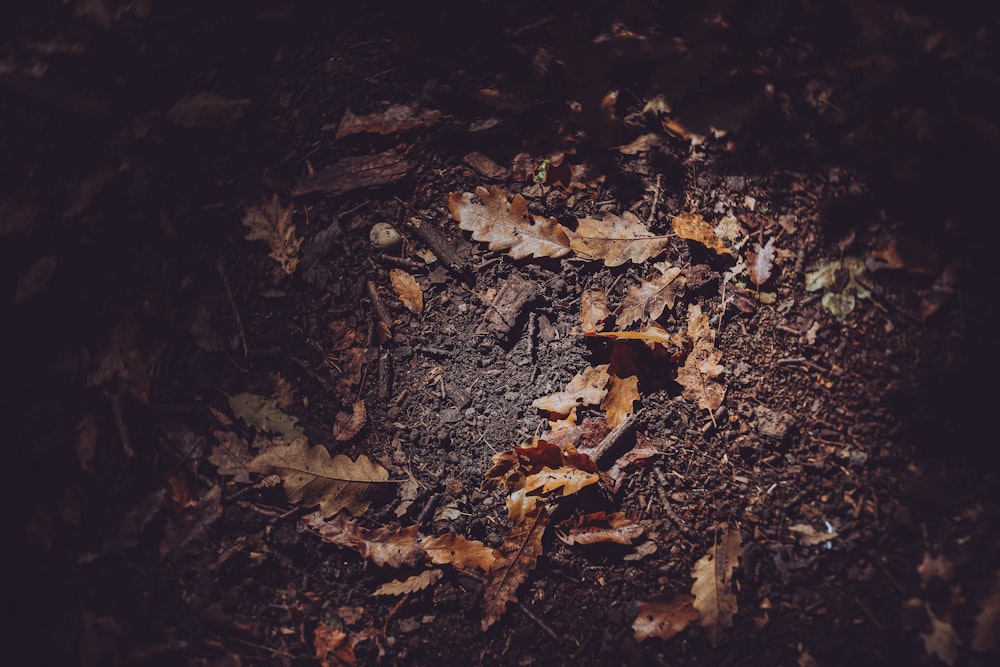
{"points": [[346, 426], [664, 619], [417, 582], [701, 369], [601, 527], [593, 309], [333, 649], [653, 334], [622, 393], [565, 479], [648, 300], [693, 227], [617, 240], [508, 226], [459, 552], [407, 290], [518, 554]]}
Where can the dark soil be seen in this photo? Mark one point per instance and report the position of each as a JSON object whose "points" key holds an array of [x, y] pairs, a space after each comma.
{"points": [[135, 306]]}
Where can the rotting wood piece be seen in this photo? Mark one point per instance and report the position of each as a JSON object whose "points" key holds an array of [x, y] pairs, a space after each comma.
{"points": [[383, 324], [504, 309], [431, 237], [352, 173]]}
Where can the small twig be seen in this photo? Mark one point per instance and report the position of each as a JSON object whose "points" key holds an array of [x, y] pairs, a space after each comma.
{"points": [[656, 201], [602, 452], [427, 510], [232, 304], [402, 261], [384, 324], [805, 362], [546, 629]]}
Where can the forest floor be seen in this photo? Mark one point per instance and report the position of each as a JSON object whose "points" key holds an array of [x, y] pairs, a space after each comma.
{"points": [[499, 334]]}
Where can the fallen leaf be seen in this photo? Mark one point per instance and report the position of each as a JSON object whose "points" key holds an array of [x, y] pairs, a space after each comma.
{"points": [[654, 334], [648, 300], [565, 479], [600, 527], [396, 118], [693, 227], [641, 454], [586, 388], [516, 559], [664, 618], [458, 552], [593, 309], [760, 262], [271, 223], [942, 641], [986, 634], [909, 253], [284, 393], [346, 425], [231, 455], [333, 648], [701, 369], [809, 536], [508, 226], [641, 144], [263, 414], [407, 290], [311, 477], [486, 166], [844, 281], [623, 392], [417, 582], [713, 583], [207, 110], [383, 547], [617, 239]]}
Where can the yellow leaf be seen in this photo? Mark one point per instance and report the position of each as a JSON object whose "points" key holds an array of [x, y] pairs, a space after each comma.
{"points": [[309, 476], [693, 227], [417, 582], [647, 301], [508, 226], [617, 240], [407, 290], [586, 388], [518, 554], [713, 583], [271, 223]]}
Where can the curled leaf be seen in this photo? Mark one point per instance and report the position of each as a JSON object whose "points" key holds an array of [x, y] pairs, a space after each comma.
{"points": [[417, 582], [518, 554]]}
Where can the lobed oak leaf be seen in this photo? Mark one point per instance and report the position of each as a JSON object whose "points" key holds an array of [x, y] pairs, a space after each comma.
{"points": [[417, 582], [593, 309], [508, 226], [407, 290], [231, 455], [272, 224], [713, 583], [311, 477], [648, 300], [601, 527], [516, 559], [504, 463], [459, 552], [263, 414], [664, 618], [618, 403], [392, 548], [586, 388], [334, 647], [565, 479], [701, 369], [693, 227], [617, 239], [760, 262]]}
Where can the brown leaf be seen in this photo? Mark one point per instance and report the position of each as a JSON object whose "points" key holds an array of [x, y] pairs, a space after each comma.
{"points": [[407, 290], [647, 301], [284, 392], [459, 552], [262, 414], [565, 479], [622, 393], [760, 261], [352, 173], [396, 118], [664, 619], [518, 554], [693, 227], [207, 110], [601, 527], [391, 548], [909, 253], [417, 582], [333, 647], [643, 451], [586, 388], [593, 309], [272, 224], [509, 227], [701, 369], [653, 334], [617, 240], [311, 477], [347, 425], [713, 583], [231, 456]]}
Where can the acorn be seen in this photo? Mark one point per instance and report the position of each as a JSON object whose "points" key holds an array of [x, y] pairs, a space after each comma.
{"points": [[384, 236]]}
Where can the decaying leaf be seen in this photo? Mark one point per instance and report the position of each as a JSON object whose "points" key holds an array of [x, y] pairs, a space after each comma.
{"points": [[206, 110], [593, 309], [407, 290], [617, 239], [284, 392], [701, 369], [567, 480], [263, 414], [986, 635], [844, 280], [231, 455], [508, 226], [639, 455], [459, 552], [586, 388], [622, 394], [383, 547], [333, 647], [517, 557], [647, 301], [653, 335], [396, 118], [417, 582], [809, 536], [271, 223], [600, 527], [664, 618], [760, 261], [346, 425], [311, 477], [942, 641], [713, 583], [693, 227]]}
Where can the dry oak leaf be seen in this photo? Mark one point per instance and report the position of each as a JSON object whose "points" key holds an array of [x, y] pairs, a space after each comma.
{"points": [[271, 223], [407, 290], [565, 479], [664, 618], [347, 425], [601, 527], [333, 647], [417, 582], [652, 335], [459, 552], [263, 414], [593, 309], [586, 388], [618, 403], [693, 227], [647, 301], [508, 226], [701, 368], [516, 559], [309, 476], [641, 454], [391, 548], [713, 583], [231, 456], [396, 118], [617, 239]]}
